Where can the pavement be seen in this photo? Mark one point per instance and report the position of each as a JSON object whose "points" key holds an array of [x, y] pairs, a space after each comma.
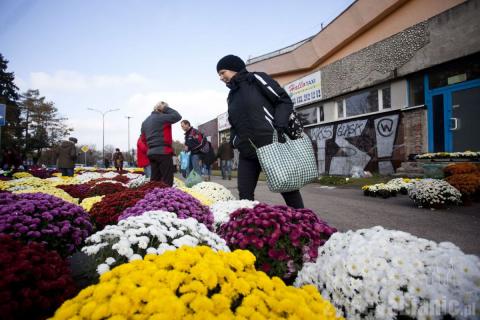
{"points": [[346, 208]]}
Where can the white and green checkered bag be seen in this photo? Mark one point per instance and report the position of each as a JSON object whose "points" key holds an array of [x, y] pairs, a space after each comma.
{"points": [[288, 166]]}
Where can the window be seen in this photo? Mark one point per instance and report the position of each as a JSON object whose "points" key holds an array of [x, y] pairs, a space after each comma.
{"points": [[308, 115], [386, 98], [340, 109], [321, 114], [416, 92], [363, 102], [460, 70]]}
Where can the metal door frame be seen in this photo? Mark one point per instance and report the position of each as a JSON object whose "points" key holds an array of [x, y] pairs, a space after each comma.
{"points": [[447, 108]]}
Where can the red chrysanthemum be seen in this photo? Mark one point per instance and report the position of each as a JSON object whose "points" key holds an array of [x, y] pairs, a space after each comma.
{"points": [[34, 281]]}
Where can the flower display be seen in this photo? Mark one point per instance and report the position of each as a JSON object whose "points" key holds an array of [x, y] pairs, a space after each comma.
{"points": [[150, 185], [88, 203], [195, 283], [280, 237], [61, 180], [105, 188], [171, 200], [87, 176], [112, 205], [381, 274], [79, 191], [389, 189], [461, 168], [138, 182], [41, 173], [21, 174], [34, 281], [131, 175], [61, 225], [23, 184], [153, 232], [110, 175], [51, 191], [222, 209], [121, 178], [214, 191], [383, 190], [434, 193], [205, 200], [448, 155], [468, 184]]}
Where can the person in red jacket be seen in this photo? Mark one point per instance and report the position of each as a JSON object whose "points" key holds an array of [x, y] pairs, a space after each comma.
{"points": [[142, 158]]}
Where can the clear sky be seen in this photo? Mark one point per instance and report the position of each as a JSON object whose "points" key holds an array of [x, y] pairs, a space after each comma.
{"points": [[129, 54]]}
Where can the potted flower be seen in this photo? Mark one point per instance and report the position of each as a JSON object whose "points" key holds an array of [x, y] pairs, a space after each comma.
{"points": [[38, 217], [153, 232], [280, 237], [387, 274], [194, 283], [171, 200]]}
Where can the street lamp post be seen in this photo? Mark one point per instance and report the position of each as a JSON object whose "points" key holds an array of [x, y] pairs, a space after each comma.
{"points": [[128, 128], [103, 113]]}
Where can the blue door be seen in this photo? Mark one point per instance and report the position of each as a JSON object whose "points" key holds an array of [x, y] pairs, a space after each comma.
{"points": [[454, 117]]}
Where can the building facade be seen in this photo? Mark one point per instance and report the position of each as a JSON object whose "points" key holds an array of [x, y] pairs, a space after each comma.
{"points": [[386, 80]]}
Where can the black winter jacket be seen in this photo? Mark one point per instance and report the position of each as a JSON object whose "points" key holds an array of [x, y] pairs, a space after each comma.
{"points": [[256, 104]]}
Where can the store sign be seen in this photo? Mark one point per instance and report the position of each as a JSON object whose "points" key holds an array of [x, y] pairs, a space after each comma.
{"points": [[305, 90], [222, 121]]}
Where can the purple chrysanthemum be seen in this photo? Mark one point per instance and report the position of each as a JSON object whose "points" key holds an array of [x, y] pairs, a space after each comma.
{"points": [[282, 238], [173, 200], [39, 217]]}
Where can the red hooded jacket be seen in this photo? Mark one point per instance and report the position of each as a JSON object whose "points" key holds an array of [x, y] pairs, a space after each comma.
{"points": [[142, 148]]}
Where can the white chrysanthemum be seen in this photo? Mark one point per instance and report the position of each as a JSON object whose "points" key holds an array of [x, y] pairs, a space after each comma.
{"points": [[153, 232], [87, 176], [223, 209], [138, 182], [214, 191], [434, 193], [102, 268], [110, 175], [398, 273]]}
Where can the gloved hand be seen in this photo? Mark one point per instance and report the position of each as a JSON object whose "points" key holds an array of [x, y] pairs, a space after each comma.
{"points": [[281, 132]]}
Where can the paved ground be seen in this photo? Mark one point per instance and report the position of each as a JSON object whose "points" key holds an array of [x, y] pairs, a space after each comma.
{"points": [[347, 208]]}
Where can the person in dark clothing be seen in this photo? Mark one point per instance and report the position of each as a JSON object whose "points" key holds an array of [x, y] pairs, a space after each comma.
{"points": [[253, 118], [195, 143], [157, 129], [225, 153], [118, 160], [66, 156]]}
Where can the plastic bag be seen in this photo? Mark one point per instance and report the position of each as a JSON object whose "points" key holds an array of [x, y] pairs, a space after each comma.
{"points": [[356, 172], [193, 178]]}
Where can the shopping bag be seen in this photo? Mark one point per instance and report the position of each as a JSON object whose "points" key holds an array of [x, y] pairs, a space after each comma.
{"points": [[193, 178], [290, 165]]}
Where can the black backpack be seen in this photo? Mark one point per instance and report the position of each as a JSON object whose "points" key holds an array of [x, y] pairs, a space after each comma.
{"points": [[209, 157]]}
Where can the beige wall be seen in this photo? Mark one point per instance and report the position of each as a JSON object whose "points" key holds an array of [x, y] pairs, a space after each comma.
{"points": [[407, 15], [364, 23]]}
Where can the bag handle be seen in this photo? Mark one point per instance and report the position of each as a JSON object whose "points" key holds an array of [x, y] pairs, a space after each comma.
{"points": [[274, 140]]}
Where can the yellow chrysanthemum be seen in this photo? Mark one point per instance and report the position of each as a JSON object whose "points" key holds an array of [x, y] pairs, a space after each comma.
{"points": [[20, 175], [88, 203], [212, 288], [59, 193], [24, 184], [206, 201]]}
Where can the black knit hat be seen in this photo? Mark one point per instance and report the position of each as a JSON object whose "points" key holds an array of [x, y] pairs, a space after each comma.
{"points": [[231, 62]]}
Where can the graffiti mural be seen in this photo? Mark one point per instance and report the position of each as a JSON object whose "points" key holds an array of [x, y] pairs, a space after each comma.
{"points": [[368, 144]]}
